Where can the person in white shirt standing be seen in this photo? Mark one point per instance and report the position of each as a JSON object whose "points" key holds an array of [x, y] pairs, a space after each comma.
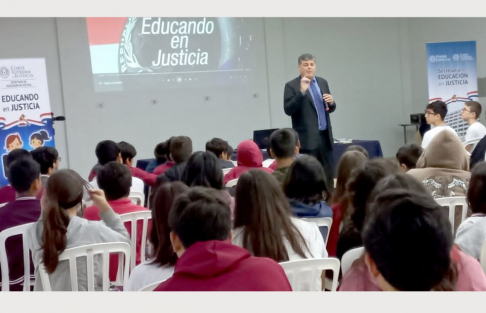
{"points": [[435, 114], [471, 113]]}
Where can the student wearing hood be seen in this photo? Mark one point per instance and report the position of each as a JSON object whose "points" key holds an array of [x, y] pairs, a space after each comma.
{"points": [[249, 157], [443, 168]]}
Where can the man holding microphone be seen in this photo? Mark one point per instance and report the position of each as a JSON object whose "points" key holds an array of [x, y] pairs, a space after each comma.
{"points": [[308, 101]]}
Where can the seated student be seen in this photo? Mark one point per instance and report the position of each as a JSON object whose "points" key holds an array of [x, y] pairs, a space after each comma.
{"points": [[471, 113], [347, 163], [24, 177], [249, 156], [115, 180], [359, 149], [203, 170], [180, 152], [274, 165], [359, 189], [397, 208], [220, 147], [59, 228], [160, 152], [159, 170], [264, 224], [408, 156], [283, 148], [359, 278], [128, 153], [435, 114], [48, 159], [229, 153], [109, 151], [7, 193], [201, 235], [161, 266], [305, 187], [472, 232], [443, 169]]}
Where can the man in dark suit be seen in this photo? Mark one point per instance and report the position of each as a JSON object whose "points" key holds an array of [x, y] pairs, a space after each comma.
{"points": [[308, 101]]}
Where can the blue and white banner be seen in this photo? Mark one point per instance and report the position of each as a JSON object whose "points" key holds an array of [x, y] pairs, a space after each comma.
{"points": [[452, 78], [25, 110]]}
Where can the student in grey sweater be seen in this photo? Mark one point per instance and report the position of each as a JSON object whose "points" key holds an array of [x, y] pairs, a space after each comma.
{"points": [[59, 228], [472, 232]]}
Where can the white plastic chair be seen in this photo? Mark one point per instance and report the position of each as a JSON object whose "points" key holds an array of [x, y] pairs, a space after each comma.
{"points": [[133, 218], [451, 203], [151, 287], [232, 182], [321, 222], [235, 162], [3, 204], [296, 272], [4, 235], [267, 162], [482, 256], [226, 170], [89, 251], [349, 257], [137, 197]]}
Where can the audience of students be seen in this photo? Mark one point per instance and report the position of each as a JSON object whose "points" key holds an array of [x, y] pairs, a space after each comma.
{"points": [[128, 153], [264, 224], [249, 156], [472, 232], [220, 148], [464, 274], [160, 153], [59, 228], [48, 159], [201, 236], [161, 265], [408, 155], [180, 152], [349, 161], [24, 178], [159, 170], [435, 114], [359, 189]]}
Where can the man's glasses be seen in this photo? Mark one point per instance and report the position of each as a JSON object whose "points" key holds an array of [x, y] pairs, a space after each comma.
{"points": [[464, 109], [428, 112]]}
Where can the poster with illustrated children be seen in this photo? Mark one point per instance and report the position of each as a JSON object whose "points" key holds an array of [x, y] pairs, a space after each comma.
{"points": [[25, 111]]}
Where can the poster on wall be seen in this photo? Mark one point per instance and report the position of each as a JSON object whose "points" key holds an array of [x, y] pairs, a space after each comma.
{"points": [[452, 78], [25, 112]]}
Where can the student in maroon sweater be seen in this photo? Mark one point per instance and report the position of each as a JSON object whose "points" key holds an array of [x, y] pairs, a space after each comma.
{"points": [[115, 180], [201, 234], [159, 170], [24, 176], [7, 193], [128, 153]]}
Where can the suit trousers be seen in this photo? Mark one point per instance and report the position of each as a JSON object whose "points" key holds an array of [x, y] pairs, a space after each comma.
{"points": [[323, 153]]}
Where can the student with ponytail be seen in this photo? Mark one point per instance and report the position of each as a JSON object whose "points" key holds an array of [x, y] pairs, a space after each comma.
{"points": [[59, 228]]}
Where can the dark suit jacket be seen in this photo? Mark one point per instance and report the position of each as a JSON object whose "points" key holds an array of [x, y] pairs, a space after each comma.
{"points": [[303, 112]]}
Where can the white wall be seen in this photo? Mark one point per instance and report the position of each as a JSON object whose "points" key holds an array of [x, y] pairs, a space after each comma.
{"points": [[376, 69]]}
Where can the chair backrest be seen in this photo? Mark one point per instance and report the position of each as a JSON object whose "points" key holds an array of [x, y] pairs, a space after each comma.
{"points": [[226, 170], [152, 286], [133, 218], [349, 257], [89, 251], [321, 222], [308, 271], [3, 204], [451, 203], [267, 162], [137, 197], [232, 182], [4, 235]]}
